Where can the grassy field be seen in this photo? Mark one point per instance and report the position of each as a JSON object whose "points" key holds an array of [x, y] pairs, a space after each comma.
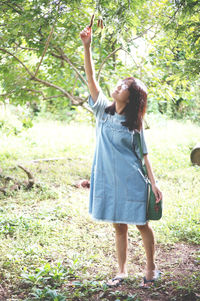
{"points": [[51, 249]]}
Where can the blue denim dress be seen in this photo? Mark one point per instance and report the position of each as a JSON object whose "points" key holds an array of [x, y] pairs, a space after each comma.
{"points": [[118, 189]]}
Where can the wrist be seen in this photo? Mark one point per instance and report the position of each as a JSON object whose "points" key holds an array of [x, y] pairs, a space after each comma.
{"points": [[153, 183], [87, 46]]}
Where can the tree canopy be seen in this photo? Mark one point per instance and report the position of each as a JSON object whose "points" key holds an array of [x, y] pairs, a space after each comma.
{"points": [[42, 55]]}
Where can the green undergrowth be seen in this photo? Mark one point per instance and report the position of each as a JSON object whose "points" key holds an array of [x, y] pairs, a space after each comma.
{"points": [[51, 249]]}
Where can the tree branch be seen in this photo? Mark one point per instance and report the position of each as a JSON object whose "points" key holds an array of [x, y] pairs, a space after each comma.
{"points": [[76, 78], [141, 34], [120, 48], [31, 181], [17, 11], [17, 5], [47, 42], [173, 16], [45, 49], [8, 52], [65, 58], [74, 99], [48, 159], [25, 48], [108, 56], [131, 57], [35, 91], [87, 108], [41, 92], [48, 84], [6, 94], [30, 176], [55, 96]]}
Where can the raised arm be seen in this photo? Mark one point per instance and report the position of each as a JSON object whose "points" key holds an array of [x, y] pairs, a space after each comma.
{"points": [[86, 37]]}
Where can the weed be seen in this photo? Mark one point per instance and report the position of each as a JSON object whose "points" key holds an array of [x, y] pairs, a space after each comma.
{"points": [[46, 294], [120, 295], [48, 275]]}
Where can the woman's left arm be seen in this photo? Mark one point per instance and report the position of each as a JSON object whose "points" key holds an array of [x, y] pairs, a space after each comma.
{"points": [[156, 190]]}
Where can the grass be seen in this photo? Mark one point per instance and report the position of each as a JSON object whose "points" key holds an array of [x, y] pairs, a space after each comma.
{"points": [[50, 247]]}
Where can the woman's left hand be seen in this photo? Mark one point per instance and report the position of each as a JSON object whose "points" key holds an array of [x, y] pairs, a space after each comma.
{"points": [[157, 192]]}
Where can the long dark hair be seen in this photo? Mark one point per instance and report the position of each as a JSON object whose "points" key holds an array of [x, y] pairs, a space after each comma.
{"points": [[136, 107]]}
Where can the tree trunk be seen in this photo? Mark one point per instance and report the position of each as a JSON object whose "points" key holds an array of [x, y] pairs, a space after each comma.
{"points": [[195, 155]]}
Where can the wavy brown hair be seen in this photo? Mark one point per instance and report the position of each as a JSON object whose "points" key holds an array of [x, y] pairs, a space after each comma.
{"points": [[134, 111]]}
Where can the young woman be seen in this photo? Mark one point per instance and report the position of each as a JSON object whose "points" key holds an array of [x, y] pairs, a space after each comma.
{"points": [[118, 190]]}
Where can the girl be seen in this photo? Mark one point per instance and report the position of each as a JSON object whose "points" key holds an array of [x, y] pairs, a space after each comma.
{"points": [[118, 190]]}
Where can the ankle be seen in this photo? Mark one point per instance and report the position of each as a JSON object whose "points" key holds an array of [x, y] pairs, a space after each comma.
{"points": [[122, 275], [123, 272], [150, 267]]}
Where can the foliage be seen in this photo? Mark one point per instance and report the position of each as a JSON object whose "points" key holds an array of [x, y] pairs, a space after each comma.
{"points": [[13, 120], [176, 51], [160, 40], [48, 276], [186, 48], [24, 43]]}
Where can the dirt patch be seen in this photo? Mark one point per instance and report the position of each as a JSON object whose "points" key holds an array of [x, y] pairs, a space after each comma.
{"points": [[3, 293], [180, 279]]}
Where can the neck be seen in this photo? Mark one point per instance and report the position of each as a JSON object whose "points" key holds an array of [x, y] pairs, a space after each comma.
{"points": [[119, 107]]}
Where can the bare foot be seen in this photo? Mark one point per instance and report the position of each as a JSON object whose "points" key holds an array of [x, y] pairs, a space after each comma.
{"points": [[150, 274], [117, 280], [150, 278]]}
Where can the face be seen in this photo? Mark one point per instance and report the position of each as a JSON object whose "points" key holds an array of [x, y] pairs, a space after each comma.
{"points": [[121, 93]]}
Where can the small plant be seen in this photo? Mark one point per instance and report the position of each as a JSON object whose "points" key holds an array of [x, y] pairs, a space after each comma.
{"points": [[86, 289], [46, 294], [123, 296], [8, 226], [27, 122], [48, 275]]}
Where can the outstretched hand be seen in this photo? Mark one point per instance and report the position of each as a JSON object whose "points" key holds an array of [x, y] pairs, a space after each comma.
{"points": [[86, 35]]}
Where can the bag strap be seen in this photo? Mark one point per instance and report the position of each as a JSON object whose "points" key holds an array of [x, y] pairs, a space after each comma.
{"points": [[144, 169], [141, 153]]}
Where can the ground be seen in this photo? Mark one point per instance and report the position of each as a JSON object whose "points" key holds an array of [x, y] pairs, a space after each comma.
{"points": [[51, 249], [180, 280]]}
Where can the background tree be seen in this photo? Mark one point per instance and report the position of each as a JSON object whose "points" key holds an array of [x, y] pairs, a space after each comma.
{"points": [[42, 57], [28, 25]]}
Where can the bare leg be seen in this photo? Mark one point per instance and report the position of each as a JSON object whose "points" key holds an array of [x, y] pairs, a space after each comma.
{"points": [[121, 241], [149, 246]]}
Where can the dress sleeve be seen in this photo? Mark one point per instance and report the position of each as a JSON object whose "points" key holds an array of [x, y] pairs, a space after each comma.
{"points": [[99, 106], [143, 142]]}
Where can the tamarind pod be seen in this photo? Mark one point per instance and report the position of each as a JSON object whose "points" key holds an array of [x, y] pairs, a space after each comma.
{"points": [[98, 23], [101, 23], [91, 22]]}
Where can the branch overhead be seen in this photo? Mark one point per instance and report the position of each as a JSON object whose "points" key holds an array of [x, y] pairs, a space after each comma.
{"points": [[63, 56]]}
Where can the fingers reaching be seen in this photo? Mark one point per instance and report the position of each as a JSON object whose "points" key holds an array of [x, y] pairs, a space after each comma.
{"points": [[86, 34], [86, 31]]}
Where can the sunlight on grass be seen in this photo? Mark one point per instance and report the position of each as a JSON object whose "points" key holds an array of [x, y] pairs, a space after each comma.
{"points": [[50, 223], [49, 139], [170, 144]]}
